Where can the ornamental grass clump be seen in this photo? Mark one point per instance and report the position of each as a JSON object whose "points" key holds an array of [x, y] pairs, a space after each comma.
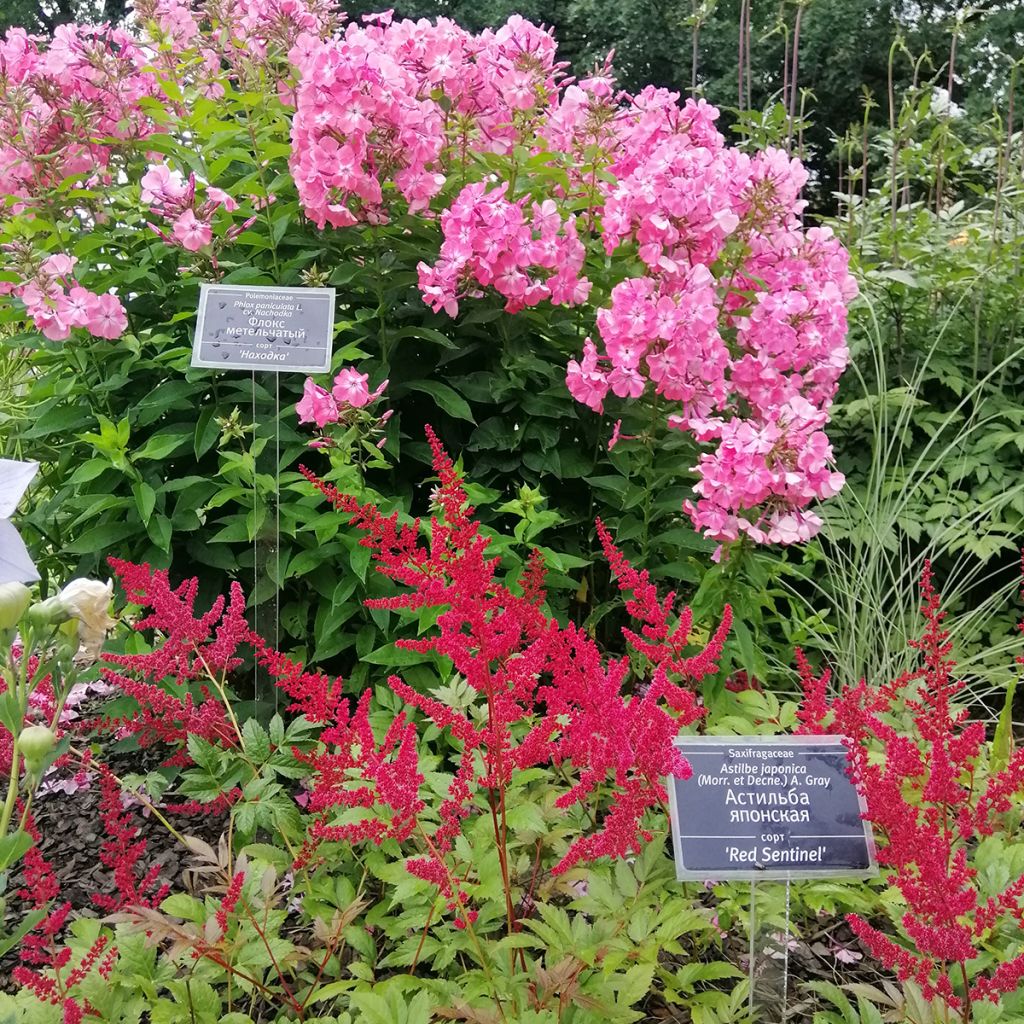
{"points": [[945, 806]]}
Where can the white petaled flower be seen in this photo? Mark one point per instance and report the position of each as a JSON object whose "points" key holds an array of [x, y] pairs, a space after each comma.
{"points": [[89, 602]]}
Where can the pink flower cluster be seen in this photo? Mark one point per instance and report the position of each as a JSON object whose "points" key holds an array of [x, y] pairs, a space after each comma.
{"points": [[393, 104], [350, 391], [66, 107], [739, 316], [489, 243], [735, 314], [256, 29], [777, 466], [243, 35], [170, 196], [57, 303]]}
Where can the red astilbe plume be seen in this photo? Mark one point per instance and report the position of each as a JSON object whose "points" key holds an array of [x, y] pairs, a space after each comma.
{"points": [[230, 902], [357, 772], [545, 695], [54, 977], [931, 800], [663, 638], [122, 851], [39, 889], [190, 648]]}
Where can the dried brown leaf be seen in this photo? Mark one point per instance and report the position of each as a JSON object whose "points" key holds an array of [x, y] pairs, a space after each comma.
{"points": [[473, 1014]]}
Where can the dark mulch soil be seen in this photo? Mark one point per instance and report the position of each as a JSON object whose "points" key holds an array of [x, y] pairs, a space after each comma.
{"points": [[72, 835]]}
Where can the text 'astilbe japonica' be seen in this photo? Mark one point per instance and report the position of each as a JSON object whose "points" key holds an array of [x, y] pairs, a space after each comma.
{"points": [[940, 804], [543, 696]]}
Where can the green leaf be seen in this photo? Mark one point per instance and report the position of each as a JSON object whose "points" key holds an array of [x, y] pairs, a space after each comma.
{"points": [[391, 655], [635, 984], [99, 538], [13, 847], [159, 529], [207, 431], [1002, 742], [180, 904], [25, 925], [161, 445], [145, 500], [89, 471], [374, 1008], [448, 399], [255, 741], [330, 991]]}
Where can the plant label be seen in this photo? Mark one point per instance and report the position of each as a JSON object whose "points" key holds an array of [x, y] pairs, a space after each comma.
{"points": [[768, 807], [248, 327]]}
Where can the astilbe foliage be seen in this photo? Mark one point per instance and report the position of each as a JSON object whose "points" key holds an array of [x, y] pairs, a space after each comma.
{"points": [[931, 797], [545, 695]]}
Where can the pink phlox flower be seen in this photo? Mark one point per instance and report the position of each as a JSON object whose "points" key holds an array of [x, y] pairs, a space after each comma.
{"points": [[109, 319], [585, 381], [192, 233], [316, 405], [160, 184], [351, 388], [221, 198]]}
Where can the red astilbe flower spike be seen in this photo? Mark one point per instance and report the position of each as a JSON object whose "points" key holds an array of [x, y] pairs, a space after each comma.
{"points": [[230, 902], [930, 800], [40, 888], [194, 647], [89, 961], [357, 772], [220, 805], [545, 694], [122, 851], [315, 695], [55, 976], [661, 642], [189, 648]]}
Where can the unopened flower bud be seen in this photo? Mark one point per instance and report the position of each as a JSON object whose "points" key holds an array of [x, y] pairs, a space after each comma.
{"points": [[14, 599], [51, 612], [35, 743]]}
